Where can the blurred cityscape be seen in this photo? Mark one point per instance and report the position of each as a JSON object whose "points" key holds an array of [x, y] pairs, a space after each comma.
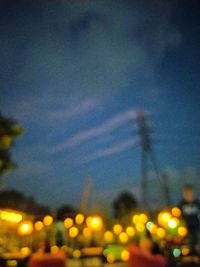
{"points": [[99, 133]]}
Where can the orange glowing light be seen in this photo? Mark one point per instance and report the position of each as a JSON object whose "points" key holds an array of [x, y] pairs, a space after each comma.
{"points": [[117, 229], [68, 222], [95, 223], [176, 212], [87, 233], [163, 218], [140, 227], [38, 225], [48, 220], [73, 232], [123, 237], [182, 231], [125, 255], [108, 236], [130, 231], [79, 218], [25, 228], [161, 233]]}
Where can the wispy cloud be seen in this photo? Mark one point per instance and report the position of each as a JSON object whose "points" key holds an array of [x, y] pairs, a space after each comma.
{"points": [[111, 150], [75, 110], [106, 127]]}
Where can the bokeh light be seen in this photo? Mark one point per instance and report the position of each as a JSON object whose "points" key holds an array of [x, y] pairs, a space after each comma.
{"points": [[108, 236], [25, 228], [48, 220], [125, 255], [176, 212], [123, 237], [130, 231], [117, 229], [68, 222], [38, 225], [79, 219], [73, 232]]}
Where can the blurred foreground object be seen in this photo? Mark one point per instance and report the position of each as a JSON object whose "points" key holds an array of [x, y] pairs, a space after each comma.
{"points": [[190, 208], [141, 258], [9, 131], [47, 259]]}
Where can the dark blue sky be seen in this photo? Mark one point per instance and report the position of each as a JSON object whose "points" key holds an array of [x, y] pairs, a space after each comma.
{"points": [[75, 73]]}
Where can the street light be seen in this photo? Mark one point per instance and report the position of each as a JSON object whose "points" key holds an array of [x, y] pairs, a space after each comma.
{"points": [[48, 220], [95, 223], [79, 219], [73, 232], [25, 228], [38, 225], [68, 222], [117, 229]]}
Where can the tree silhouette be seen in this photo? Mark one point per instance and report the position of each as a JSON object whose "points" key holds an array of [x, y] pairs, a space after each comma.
{"points": [[124, 204], [65, 211], [9, 131], [13, 199]]}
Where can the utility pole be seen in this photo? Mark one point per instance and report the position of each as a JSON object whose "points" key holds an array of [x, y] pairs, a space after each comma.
{"points": [[148, 153]]}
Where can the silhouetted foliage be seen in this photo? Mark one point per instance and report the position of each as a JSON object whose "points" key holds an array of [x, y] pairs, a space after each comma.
{"points": [[16, 200], [9, 131], [124, 204], [65, 211]]}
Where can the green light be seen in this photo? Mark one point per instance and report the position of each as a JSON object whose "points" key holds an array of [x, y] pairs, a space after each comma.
{"points": [[149, 224], [176, 252]]}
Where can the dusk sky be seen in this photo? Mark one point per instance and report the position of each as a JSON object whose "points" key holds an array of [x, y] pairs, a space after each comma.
{"points": [[75, 73]]}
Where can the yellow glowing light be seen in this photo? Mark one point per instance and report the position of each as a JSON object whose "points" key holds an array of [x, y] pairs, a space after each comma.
{"points": [[161, 233], [182, 231], [140, 227], [130, 231], [79, 218], [123, 237], [38, 225], [11, 263], [117, 229], [108, 236], [68, 222], [135, 219], [64, 248], [25, 251], [87, 233], [54, 249], [48, 220], [73, 232], [163, 218], [125, 255], [153, 229], [25, 228], [76, 253], [173, 223], [10, 216], [110, 258], [185, 251], [176, 212], [95, 223], [143, 218]]}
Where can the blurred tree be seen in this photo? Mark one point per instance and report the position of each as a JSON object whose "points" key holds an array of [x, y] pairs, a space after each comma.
{"points": [[16, 200], [124, 204], [65, 211], [9, 131]]}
